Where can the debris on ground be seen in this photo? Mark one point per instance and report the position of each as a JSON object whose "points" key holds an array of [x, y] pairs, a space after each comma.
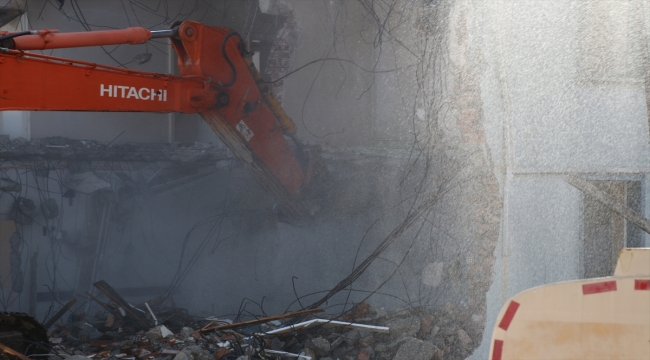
{"points": [[149, 331]]}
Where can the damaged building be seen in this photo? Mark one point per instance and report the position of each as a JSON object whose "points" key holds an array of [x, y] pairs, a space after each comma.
{"points": [[447, 162]]}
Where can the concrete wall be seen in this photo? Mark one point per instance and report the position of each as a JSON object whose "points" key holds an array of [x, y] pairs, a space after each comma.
{"points": [[544, 120], [559, 122]]}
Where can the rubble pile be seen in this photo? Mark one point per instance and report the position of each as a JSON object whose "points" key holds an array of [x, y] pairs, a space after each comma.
{"points": [[151, 331], [363, 333]]}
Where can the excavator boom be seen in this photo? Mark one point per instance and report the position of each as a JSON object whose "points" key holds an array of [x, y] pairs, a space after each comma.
{"points": [[217, 81], [57, 84]]}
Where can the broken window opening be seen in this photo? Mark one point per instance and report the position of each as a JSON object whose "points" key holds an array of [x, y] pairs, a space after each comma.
{"points": [[607, 232]]}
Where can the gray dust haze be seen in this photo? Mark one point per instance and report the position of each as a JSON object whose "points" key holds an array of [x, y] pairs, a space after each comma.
{"points": [[448, 129]]}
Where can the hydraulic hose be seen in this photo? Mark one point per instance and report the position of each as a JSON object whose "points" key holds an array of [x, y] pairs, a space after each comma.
{"points": [[223, 52], [15, 35]]}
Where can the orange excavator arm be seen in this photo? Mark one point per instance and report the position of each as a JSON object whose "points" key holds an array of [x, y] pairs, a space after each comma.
{"points": [[217, 81]]}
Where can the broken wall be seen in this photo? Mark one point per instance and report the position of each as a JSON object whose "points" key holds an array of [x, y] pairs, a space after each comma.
{"points": [[396, 106]]}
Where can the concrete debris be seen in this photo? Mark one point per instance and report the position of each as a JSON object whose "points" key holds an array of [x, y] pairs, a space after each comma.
{"points": [[337, 342], [397, 343], [158, 332], [463, 337], [360, 310], [144, 353], [322, 338], [438, 354], [404, 326], [320, 345], [186, 332], [435, 330], [364, 354], [351, 337], [196, 352], [181, 356], [477, 318], [425, 325], [415, 349], [78, 357], [290, 355], [308, 353], [367, 341], [381, 348]]}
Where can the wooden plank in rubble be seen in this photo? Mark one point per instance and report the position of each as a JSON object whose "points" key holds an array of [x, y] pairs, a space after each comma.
{"points": [[122, 305]]}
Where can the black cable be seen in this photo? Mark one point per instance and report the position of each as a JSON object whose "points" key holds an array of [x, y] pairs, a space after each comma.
{"points": [[414, 214], [15, 35], [225, 55], [340, 60]]}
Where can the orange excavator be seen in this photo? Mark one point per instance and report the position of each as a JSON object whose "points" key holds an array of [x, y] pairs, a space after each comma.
{"points": [[218, 81]]}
